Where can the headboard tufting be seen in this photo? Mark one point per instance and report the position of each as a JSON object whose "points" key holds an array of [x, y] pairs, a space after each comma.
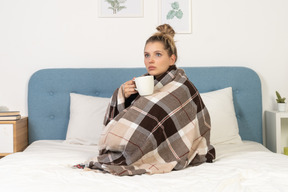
{"points": [[49, 89]]}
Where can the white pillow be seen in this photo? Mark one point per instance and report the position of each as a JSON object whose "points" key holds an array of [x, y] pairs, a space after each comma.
{"points": [[224, 126], [86, 119]]}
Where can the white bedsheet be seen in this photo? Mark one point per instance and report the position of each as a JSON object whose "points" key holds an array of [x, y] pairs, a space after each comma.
{"points": [[46, 166]]}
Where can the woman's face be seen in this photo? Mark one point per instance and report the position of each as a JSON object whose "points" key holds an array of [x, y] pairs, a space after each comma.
{"points": [[156, 58]]}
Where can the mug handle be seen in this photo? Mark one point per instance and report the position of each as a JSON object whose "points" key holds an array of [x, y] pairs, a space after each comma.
{"points": [[135, 85]]}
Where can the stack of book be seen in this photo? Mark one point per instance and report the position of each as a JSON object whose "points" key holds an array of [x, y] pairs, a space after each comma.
{"points": [[9, 115]]}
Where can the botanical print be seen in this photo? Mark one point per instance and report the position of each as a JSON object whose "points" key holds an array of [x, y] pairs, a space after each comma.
{"points": [[176, 11], [116, 5], [121, 8]]}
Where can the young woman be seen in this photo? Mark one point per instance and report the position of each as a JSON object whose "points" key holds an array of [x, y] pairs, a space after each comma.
{"points": [[168, 130], [160, 53]]}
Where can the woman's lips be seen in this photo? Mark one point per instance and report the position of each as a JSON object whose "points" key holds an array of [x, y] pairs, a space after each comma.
{"points": [[151, 68]]}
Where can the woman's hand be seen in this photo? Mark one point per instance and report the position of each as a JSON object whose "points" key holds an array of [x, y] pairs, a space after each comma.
{"points": [[129, 88]]}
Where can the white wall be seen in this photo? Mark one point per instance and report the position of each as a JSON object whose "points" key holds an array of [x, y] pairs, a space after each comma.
{"points": [[36, 34]]}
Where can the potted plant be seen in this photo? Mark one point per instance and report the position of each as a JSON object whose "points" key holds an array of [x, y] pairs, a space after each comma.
{"points": [[280, 102]]}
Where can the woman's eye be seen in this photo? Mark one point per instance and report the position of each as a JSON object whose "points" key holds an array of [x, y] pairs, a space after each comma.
{"points": [[158, 54], [146, 55]]}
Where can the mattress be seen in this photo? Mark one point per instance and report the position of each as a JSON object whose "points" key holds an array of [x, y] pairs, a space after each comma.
{"points": [[46, 166]]}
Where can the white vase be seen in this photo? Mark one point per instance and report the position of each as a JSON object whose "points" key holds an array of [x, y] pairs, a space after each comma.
{"points": [[281, 107]]}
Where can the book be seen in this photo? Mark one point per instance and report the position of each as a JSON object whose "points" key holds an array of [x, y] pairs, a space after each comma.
{"points": [[9, 113], [10, 118]]}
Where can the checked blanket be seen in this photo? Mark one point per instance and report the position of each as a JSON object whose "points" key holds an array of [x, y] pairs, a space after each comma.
{"points": [[168, 130]]}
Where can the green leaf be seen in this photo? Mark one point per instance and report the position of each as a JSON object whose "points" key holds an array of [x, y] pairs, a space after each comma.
{"points": [[110, 2], [170, 14], [120, 8], [279, 98], [175, 5], [179, 14]]}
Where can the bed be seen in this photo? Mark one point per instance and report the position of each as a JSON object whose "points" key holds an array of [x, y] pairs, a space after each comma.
{"points": [[233, 98]]}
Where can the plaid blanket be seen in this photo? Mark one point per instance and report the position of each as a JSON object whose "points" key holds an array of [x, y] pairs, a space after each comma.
{"points": [[168, 130]]}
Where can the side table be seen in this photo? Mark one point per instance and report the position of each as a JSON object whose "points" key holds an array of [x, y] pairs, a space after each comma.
{"points": [[13, 136], [276, 130]]}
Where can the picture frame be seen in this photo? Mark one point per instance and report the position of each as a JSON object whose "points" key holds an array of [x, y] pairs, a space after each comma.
{"points": [[121, 8], [176, 13]]}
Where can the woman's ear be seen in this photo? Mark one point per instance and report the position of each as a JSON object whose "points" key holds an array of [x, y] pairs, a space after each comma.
{"points": [[172, 59]]}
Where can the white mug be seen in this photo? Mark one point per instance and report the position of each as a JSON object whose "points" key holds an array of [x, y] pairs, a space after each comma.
{"points": [[145, 85]]}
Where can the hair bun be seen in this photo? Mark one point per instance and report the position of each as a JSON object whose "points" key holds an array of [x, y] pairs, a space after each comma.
{"points": [[166, 29], [165, 35]]}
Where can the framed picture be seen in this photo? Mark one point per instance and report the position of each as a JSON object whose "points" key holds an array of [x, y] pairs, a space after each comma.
{"points": [[176, 13], [120, 8]]}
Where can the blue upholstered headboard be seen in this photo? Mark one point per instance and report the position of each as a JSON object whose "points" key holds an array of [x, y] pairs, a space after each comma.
{"points": [[49, 100]]}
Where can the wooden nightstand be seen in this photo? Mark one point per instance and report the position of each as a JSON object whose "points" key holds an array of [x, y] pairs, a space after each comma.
{"points": [[276, 130], [13, 136]]}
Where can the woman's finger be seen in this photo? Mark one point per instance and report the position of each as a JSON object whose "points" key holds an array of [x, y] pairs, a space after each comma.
{"points": [[129, 88]]}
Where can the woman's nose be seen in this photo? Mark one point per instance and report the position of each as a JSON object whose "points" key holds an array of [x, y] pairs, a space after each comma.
{"points": [[151, 59]]}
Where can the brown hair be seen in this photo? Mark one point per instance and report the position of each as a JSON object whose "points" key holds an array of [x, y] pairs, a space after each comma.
{"points": [[165, 35]]}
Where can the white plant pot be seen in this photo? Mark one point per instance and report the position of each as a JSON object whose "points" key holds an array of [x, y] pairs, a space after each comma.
{"points": [[281, 107]]}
